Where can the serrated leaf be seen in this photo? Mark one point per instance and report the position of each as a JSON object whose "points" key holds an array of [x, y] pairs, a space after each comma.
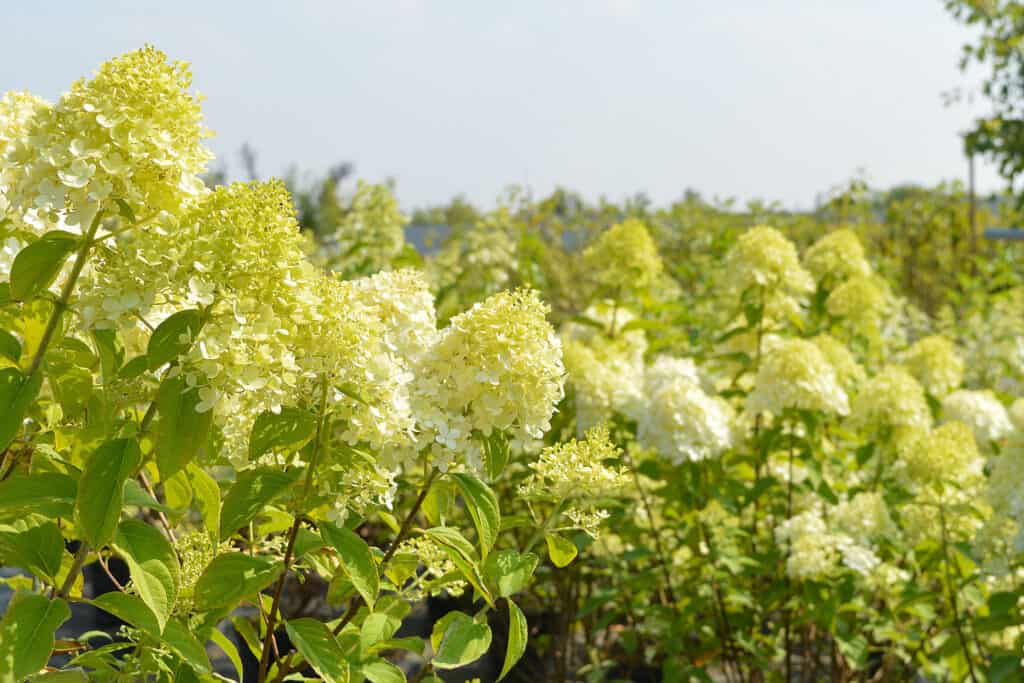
{"points": [[356, 560], [464, 641], [377, 627], [320, 648], [38, 549], [173, 337], [47, 493], [231, 577], [182, 430], [509, 572], [37, 265], [252, 491], [101, 488], [483, 508], [153, 566], [182, 641], [26, 634], [518, 635], [289, 429]]}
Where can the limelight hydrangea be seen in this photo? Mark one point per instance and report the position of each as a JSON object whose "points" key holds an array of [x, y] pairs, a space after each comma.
{"points": [[371, 233], [849, 372], [934, 362], [577, 469], [623, 258], [981, 411], [890, 402], [498, 366], [836, 257], [132, 132], [605, 369], [678, 419], [794, 374], [763, 258], [942, 469], [862, 300], [18, 110]]}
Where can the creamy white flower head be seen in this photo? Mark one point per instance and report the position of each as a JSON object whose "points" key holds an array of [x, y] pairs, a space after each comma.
{"points": [[795, 375], [861, 300], [891, 401], [848, 371], [935, 363], [677, 418], [981, 411], [836, 257], [371, 233], [764, 260], [623, 258], [498, 367]]}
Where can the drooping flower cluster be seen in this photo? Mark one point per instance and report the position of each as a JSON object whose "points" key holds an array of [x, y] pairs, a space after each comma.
{"points": [[981, 411], [131, 134], [794, 374], [623, 259], [764, 259], [678, 419], [836, 257], [934, 362], [498, 366]]}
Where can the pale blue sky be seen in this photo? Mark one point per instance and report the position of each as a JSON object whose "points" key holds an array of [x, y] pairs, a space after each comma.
{"points": [[778, 99]]}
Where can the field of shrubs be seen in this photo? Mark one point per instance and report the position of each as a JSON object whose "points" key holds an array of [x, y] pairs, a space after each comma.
{"points": [[560, 441]]}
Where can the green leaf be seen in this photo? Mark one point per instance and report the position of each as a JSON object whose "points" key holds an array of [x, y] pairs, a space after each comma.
{"points": [[232, 577], [561, 550], [483, 508], [129, 609], [356, 560], [17, 394], [383, 672], [509, 571], [320, 648], [26, 634], [517, 637], [178, 492], [181, 640], [496, 453], [464, 641], [206, 495], [38, 549], [460, 551], [47, 493], [137, 496], [153, 565], [289, 429], [173, 337], [252, 491], [101, 488], [37, 265], [10, 347], [65, 676], [377, 627], [183, 430], [225, 644]]}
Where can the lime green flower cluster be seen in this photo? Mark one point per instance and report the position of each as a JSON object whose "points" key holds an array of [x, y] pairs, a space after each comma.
{"points": [[763, 259], [981, 411], [605, 369], [623, 260], [482, 260], [849, 372], [890, 403], [370, 235], [861, 300], [944, 471], [498, 366], [836, 257], [17, 112], [677, 418], [794, 374], [935, 363], [131, 135]]}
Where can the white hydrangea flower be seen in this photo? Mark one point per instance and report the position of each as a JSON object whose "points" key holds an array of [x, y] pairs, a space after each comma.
{"points": [[982, 411], [795, 375]]}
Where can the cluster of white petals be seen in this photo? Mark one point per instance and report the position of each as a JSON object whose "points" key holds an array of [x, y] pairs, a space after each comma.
{"points": [[981, 411], [794, 374]]}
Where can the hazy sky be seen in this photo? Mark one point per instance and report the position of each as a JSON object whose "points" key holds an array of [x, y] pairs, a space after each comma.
{"points": [[747, 98]]}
